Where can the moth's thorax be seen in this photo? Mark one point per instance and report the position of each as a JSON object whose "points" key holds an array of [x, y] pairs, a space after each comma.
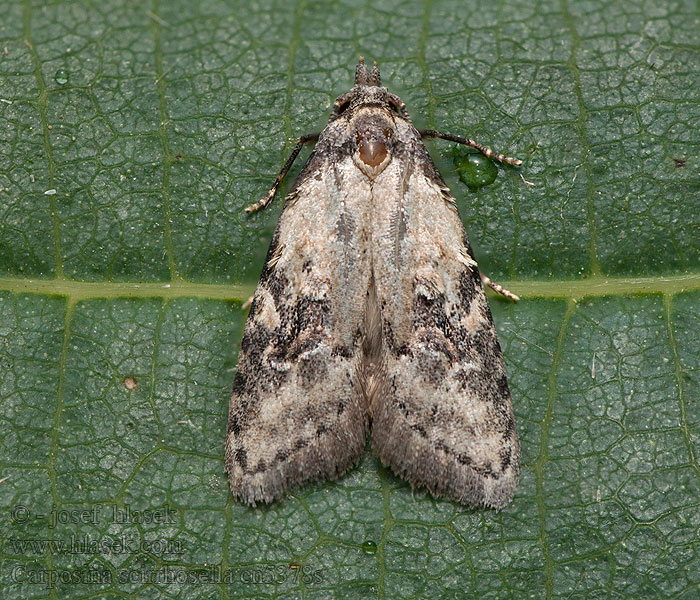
{"points": [[373, 131]]}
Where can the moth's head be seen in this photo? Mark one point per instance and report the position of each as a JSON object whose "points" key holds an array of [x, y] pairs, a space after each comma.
{"points": [[366, 92], [370, 113]]}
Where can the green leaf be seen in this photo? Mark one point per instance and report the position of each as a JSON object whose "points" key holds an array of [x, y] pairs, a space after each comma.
{"points": [[132, 137]]}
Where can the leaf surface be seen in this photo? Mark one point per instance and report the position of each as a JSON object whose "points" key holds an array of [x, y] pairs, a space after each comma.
{"points": [[132, 137]]}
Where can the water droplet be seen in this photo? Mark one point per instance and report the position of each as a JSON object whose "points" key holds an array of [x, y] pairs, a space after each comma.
{"points": [[475, 170], [61, 77], [369, 547]]}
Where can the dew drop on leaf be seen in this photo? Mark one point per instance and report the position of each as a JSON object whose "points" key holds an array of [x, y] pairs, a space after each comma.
{"points": [[61, 77], [475, 170], [369, 547]]}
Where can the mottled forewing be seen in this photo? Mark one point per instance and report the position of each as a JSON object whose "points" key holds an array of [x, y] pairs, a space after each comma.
{"points": [[297, 413], [443, 418]]}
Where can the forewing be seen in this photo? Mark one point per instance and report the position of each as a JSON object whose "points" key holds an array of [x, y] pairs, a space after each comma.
{"points": [[297, 413], [443, 417]]}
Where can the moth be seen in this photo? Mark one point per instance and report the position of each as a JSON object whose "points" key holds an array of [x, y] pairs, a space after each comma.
{"points": [[370, 316]]}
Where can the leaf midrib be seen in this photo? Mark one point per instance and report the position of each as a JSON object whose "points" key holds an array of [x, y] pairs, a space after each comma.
{"points": [[551, 288]]}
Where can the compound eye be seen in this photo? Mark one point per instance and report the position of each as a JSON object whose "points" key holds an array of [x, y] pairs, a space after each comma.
{"points": [[399, 107], [341, 105]]}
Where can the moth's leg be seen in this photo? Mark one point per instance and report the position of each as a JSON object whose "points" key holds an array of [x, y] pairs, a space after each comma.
{"points": [[304, 139], [499, 289], [431, 133]]}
